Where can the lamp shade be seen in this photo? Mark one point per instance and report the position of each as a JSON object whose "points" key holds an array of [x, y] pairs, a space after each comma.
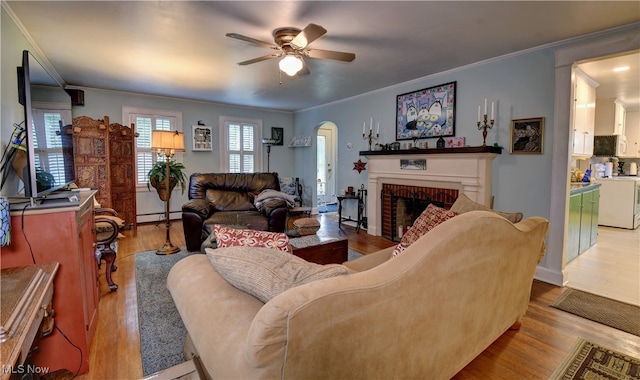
{"points": [[168, 140], [290, 65]]}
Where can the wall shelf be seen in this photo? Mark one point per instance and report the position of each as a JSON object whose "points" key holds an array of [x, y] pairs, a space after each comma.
{"points": [[300, 141]]}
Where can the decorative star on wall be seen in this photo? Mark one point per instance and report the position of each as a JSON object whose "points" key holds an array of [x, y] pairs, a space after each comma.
{"points": [[359, 165]]}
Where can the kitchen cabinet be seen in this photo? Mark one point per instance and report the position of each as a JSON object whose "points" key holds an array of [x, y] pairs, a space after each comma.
{"points": [[632, 131], [583, 219], [64, 235], [583, 120], [610, 117]]}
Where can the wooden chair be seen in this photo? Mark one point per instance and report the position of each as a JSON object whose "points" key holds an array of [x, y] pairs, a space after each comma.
{"points": [[108, 227], [293, 187]]}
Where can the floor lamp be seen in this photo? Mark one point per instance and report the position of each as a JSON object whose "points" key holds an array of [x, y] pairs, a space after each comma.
{"points": [[269, 143], [167, 143]]}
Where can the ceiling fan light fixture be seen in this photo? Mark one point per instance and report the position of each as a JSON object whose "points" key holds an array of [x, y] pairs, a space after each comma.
{"points": [[290, 64]]}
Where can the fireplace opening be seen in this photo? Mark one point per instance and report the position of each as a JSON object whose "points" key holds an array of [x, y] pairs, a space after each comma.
{"points": [[402, 205]]}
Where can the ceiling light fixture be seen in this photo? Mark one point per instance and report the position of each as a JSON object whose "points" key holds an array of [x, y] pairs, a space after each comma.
{"points": [[290, 64], [621, 68]]}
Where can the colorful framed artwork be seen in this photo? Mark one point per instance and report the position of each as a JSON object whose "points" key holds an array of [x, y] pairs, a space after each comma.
{"points": [[527, 136], [202, 135], [427, 113]]}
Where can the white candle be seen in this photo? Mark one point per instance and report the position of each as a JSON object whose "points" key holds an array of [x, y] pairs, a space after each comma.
{"points": [[363, 125], [492, 118], [371, 125], [478, 114], [485, 106], [378, 131]]}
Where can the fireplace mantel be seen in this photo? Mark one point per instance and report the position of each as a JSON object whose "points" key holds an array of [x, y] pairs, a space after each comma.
{"points": [[466, 169], [460, 150]]}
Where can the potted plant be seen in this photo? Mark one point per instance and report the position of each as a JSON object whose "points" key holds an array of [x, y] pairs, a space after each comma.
{"points": [[157, 178]]}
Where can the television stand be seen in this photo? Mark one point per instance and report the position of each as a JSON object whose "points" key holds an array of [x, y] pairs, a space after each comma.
{"points": [[64, 197]]}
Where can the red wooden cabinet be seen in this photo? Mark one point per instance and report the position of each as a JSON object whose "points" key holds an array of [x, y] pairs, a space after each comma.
{"points": [[64, 235]]}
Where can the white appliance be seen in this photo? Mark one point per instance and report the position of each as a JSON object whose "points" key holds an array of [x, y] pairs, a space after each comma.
{"points": [[633, 168], [619, 202], [610, 146]]}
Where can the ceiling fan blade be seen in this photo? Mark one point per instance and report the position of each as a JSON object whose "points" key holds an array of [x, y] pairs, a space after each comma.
{"points": [[259, 59], [329, 54], [307, 35], [251, 40]]}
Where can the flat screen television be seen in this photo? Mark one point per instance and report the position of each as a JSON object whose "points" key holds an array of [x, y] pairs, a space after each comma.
{"points": [[48, 142]]}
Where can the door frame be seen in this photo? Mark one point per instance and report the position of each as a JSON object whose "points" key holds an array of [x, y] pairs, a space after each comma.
{"points": [[332, 142]]}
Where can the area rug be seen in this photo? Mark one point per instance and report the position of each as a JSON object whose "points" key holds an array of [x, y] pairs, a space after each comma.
{"points": [[162, 332], [619, 315], [591, 361]]}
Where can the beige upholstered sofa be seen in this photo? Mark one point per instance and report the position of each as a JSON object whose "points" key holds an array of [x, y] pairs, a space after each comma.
{"points": [[425, 313]]}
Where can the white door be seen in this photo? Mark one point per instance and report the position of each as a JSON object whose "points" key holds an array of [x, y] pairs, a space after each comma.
{"points": [[325, 178]]}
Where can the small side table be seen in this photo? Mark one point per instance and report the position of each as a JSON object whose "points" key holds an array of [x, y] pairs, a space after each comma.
{"points": [[360, 197]]}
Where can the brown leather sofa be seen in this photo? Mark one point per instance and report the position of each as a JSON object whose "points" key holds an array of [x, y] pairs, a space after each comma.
{"points": [[229, 199]]}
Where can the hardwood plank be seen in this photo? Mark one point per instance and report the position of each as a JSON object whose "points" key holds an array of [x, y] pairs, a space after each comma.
{"points": [[610, 268], [533, 352]]}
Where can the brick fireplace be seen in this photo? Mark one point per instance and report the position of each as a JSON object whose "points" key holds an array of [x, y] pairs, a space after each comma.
{"points": [[447, 173], [402, 204]]}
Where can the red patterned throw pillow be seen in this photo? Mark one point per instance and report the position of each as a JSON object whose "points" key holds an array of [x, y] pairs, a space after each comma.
{"points": [[230, 237], [428, 220]]}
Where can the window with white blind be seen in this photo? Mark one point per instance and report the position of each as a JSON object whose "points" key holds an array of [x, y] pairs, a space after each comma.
{"points": [[240, 145], [145, 121], [48, 148]]}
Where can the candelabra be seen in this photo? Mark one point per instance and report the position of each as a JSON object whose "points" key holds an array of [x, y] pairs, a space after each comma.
{"points": [[371, 136], [485, 123]]}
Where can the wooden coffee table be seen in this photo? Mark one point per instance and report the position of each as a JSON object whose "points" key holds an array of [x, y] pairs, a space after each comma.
{"points": [[321, 250]]}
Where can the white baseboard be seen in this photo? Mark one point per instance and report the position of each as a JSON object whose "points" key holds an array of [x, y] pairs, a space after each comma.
{"points": [[550, 276], [159, 217]]}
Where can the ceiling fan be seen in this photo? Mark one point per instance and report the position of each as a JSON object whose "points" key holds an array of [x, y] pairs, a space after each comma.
{"points": [[292, 44]]}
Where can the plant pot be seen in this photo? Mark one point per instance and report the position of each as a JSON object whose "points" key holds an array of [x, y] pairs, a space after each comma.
{"points": [[162, 189]]}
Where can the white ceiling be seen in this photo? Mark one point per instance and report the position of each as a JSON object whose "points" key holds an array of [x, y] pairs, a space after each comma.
{"points": [[623, 85], [179, 48]]}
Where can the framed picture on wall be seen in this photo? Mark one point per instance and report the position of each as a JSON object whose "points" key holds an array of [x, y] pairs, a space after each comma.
{"points": [[429, 112], [278, 135], [527, 136], [202, 135]]}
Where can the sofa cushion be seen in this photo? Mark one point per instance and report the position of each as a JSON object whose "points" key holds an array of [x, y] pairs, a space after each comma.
{"points": [[288, 185], [230, 237], [253, 220], [265, 273], [429, 219], [465, 204]]}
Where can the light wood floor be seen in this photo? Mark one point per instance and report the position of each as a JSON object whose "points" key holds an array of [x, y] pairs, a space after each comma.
{"points": [[546, 337], [610, 268]]}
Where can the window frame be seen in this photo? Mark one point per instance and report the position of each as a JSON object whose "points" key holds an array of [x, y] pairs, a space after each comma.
{"points": [[130, 112], [40, 109], [224, 121]]}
